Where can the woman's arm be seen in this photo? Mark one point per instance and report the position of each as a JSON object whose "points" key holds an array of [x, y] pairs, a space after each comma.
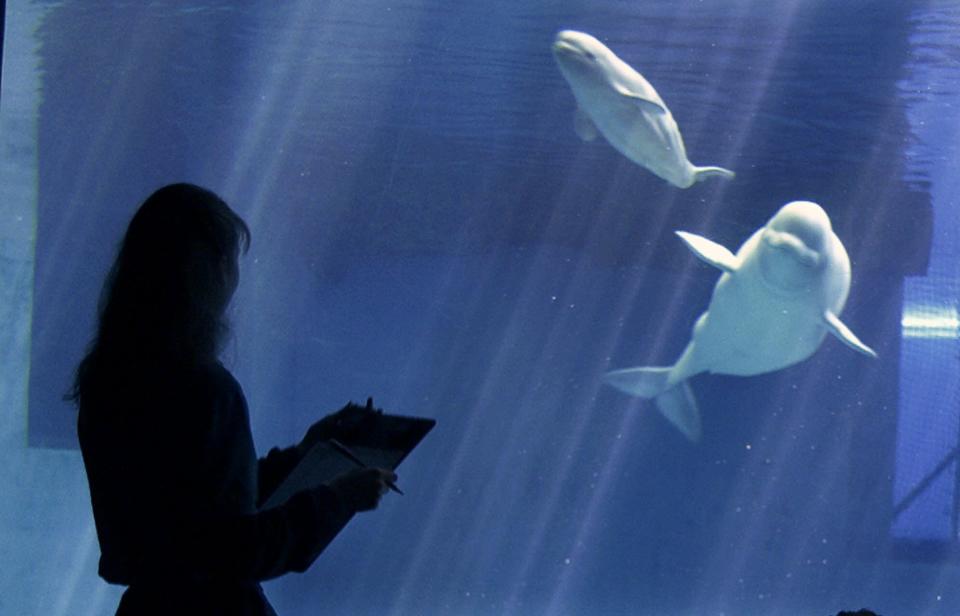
{"points": [[273, 469], [275, 541], [258, 546]]}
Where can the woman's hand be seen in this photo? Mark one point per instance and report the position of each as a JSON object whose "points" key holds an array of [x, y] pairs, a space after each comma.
{"points": [[349, 421], [361, 489]]}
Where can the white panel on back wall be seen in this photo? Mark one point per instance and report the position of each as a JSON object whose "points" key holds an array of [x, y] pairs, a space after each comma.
{"points": [[48, 550]]}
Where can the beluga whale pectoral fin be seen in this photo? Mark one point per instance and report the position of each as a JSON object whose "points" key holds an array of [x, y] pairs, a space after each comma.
{"points": [[710, 252], [674, 401], [584, 126], [650, 106], [836, 327], [702, 173]]}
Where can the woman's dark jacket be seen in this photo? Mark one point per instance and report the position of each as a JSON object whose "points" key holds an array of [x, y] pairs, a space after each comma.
{"points": [[176, 488]]}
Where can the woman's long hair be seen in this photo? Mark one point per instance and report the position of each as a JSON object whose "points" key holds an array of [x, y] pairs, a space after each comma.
{"points": [[164, 301]]}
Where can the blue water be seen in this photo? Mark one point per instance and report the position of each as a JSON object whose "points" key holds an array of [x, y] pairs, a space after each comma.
{"points": [[428, 230]]}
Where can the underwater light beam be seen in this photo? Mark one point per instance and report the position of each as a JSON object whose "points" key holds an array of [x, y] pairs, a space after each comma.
{"points": [[554, 490], [449, 487], [82, 550], [513, 437], [269, 94], [109, 140]]}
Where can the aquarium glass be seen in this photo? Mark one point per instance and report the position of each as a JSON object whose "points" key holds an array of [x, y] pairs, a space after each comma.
{"points": [[437, 226]]}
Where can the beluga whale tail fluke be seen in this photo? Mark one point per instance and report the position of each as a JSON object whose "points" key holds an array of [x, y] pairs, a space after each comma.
{"points": [[674, 401], [702, 173], [617, 102]]}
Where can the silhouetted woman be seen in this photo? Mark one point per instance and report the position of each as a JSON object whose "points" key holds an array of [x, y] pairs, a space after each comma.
{"points": [[165, 435]]}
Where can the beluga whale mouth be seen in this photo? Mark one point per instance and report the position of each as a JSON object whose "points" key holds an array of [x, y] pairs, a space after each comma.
{"points": [[793, 246], [572, 42], [576, 49], [788, 265]]}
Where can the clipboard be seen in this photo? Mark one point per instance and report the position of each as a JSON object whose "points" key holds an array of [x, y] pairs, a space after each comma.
{"points": [[384, 443]]}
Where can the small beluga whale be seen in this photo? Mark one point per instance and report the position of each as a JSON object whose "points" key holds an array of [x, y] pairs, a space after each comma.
{"points": [[617, 102], [773, 305]]}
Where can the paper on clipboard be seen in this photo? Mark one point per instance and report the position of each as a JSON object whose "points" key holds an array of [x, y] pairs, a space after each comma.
{"points": [[389, 439]]}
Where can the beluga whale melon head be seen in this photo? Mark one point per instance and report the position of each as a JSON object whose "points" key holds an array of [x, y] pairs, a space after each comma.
{"points": [[616, 101], [795, 247]]}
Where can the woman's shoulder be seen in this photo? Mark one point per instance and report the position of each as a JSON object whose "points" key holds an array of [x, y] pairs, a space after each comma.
{"points": [[206, 396], [182, 387], [215, 379], [168, 403]]}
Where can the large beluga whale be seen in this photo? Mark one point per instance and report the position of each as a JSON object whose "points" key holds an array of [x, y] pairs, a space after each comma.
{"points": [[617, 102], [776, 300]]}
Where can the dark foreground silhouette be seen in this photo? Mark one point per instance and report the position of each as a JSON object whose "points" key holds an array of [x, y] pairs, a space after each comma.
{"points": [[175, 482]]}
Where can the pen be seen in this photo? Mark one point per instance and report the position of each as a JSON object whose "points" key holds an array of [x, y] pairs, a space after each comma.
{"points": [[353, 457]]}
